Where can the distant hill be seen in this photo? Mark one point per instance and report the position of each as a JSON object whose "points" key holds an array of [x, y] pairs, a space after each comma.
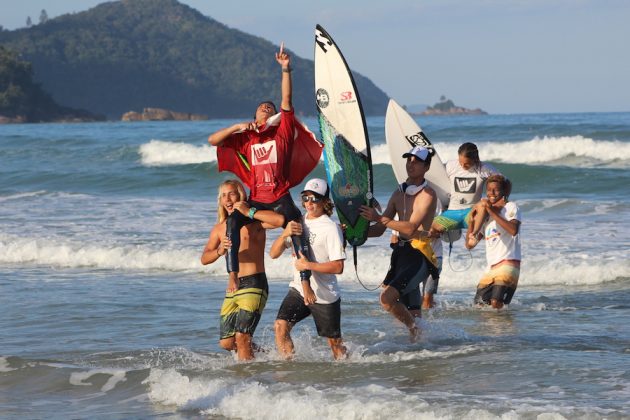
{"points": [[22, 100], [133, 54]]}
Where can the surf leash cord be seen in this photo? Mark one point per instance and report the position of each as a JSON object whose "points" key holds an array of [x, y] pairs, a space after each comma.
{"points": [[356, 273], [470, 261]]}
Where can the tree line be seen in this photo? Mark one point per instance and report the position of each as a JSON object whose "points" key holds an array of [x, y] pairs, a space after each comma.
{"points": [[121, 56], [23, 100]]}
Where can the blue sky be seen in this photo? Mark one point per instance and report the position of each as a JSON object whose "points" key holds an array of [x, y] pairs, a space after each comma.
{"points": [[520, 56]]}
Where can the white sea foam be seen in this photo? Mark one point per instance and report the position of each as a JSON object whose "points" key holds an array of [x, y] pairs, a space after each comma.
{"points": [[250, 399], [402, 356], [557, 149], [564, 150], [576, 151], [545, 266], [64, 253], [163, 153], [380, 154], [4, 365], [67, 254], [21, 196], [115, 376]]}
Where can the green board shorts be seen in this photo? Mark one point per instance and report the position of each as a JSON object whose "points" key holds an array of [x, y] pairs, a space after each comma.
{"points": [[453, 219], [241, 310]]}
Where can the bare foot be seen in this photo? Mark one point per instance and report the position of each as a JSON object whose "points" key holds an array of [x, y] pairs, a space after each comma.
{"points": [[472, 240], [414, 334], [496, 304]]}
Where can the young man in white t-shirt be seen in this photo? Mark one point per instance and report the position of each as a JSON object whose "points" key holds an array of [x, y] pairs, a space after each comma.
{"points": [[500, 221], [319, 296]]}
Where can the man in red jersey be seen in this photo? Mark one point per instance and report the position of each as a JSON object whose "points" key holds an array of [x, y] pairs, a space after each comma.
{"points": [[270, 155]]}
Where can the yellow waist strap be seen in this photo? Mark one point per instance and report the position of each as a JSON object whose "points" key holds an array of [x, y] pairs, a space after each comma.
{"points": [[424, 245]]}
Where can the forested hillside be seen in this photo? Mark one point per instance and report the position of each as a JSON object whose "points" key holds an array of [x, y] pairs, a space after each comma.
{"points": [[22, 100], [131, 54]]}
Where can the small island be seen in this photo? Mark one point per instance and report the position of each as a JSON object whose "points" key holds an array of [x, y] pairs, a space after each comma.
{"points": [[447, 107], [159, 114]]}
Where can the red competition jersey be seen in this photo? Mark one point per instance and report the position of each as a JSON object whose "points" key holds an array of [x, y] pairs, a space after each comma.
{"points": [[272, 160]]}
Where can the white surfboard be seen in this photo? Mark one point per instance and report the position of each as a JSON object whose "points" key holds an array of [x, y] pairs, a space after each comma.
{"points": [[344, 133], [336, 94], [402, 133]]}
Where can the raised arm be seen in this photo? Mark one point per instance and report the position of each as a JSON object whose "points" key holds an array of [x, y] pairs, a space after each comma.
{"points": [[217, 138], [287, 88]]}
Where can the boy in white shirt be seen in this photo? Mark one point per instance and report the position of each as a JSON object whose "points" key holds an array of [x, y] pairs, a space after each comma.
{"points": [[319, 296], [500, 223]]}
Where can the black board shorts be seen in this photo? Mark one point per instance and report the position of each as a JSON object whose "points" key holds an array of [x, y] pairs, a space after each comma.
{"points": [[327, 316], [408, 268], [501, 293]]}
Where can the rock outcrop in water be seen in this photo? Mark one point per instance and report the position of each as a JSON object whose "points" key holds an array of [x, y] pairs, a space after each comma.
{"points": [[159, 114], [447, 107]]}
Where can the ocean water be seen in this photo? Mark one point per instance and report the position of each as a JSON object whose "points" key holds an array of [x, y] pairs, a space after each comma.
{"points": [[106, 311]]}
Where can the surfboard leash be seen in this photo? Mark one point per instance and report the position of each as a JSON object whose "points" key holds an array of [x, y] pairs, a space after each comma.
{"points": [[356, 273], [450, 249]]}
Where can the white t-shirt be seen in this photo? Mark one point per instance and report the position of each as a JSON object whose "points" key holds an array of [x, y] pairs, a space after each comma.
{"points": [[500, 245], [326, 244], [467, 185]]}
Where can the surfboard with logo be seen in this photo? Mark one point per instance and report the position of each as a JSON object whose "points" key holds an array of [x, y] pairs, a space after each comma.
{"points": [[346, 146], [402, 133]]}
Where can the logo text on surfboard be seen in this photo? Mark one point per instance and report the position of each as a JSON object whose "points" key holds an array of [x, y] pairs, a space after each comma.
{"points": [[322, 98], [347, 97], [419, 139], [322, 41]]}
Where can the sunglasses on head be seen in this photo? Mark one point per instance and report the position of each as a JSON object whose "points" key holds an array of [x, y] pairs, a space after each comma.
{"points": [[311, 198]]}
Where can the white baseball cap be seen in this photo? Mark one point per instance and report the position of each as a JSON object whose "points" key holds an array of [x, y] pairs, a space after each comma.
{"points": [[317, 186], [419, 152]]}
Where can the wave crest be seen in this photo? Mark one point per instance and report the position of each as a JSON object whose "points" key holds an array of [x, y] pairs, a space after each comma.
{"points": [[165, 153], [538, 270], [575, 151]]}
